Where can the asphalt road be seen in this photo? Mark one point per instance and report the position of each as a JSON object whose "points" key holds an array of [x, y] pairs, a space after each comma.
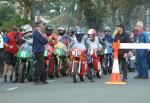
{"points": [[63, 90]]}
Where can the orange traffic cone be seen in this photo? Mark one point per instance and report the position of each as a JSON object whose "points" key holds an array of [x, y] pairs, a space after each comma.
{"points": [[115, 76]]}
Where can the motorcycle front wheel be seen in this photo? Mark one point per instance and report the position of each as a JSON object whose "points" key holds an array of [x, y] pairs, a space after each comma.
{"points": [[21, 69], [75, 72]]}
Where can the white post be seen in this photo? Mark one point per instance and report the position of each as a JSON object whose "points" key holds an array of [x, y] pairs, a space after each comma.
{"points": [[134, 45], [1, 42]]}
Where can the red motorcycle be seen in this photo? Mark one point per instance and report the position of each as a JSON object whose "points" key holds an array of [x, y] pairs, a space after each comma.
{"points": [[79, 64], [49, 61], [96, 63]]}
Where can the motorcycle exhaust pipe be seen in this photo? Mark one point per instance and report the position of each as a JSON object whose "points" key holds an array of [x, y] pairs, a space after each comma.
{"points": [[79, 66], [72, 66], [99, 67]]}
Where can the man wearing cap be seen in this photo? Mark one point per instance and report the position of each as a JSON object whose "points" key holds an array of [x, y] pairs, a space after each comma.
{"points": [[39, 42], [11, 42], [141, 54]]}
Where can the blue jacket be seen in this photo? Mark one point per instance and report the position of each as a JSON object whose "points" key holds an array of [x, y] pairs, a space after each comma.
{"points": [[38, 42], [143, 38], [108, 39]]}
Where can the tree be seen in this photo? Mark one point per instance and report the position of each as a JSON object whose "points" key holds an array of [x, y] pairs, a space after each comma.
{"points": [[26, 8], [6, 13], [92, 13]]}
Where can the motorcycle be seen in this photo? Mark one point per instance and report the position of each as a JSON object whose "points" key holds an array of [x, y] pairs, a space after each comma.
{"points": [[96, 58], [49, 61], [62, 61], [25, 63], [107, 61], [79, 64]]}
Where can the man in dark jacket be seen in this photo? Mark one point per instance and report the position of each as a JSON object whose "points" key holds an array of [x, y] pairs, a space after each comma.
{"points": [[123, 37], [39, 42]]}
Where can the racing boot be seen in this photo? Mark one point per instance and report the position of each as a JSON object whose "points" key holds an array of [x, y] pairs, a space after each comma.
{"points": [[11, 78], [90, 74], [5, 78], [16, 78]]}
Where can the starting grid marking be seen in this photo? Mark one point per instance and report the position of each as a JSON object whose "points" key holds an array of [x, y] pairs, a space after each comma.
{"points": [[50, 81], [13, 88]]}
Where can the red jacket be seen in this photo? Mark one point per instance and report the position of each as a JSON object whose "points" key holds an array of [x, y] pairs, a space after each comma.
{"points": [[53, 41], [13, 42]]}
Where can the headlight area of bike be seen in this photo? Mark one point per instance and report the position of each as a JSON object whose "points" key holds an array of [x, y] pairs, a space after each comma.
{"points": [[77, 54]]}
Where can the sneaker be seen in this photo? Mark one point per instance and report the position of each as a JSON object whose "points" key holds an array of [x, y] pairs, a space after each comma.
{"points": [[11, 78], [16, 81], [45, 82], [124, 80], [5, 78], [137, 77], [16, 78], [144, 77], [37, 83], [93, 80]]}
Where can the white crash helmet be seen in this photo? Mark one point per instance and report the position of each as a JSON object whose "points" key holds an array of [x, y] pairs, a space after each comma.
{"points": [[107, 29], [61, 28], [26, 28]]}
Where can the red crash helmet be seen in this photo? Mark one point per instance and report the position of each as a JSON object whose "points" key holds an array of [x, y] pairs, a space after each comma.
{"points": [[92, 31]]}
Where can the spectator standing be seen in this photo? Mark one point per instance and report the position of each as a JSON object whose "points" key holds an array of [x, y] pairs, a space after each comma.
{"points": [[39, 42], [141, 54]]}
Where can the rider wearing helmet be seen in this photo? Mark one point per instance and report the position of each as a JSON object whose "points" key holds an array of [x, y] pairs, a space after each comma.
{"points": [[108, 40], [107, 29], [63, 37], [26, 29], [92, 42], [71, 31], [61, 32], [53, 38], [48, 29], [27, 34], [92, 34], [107, 34], [79, 42], [68, 38]]}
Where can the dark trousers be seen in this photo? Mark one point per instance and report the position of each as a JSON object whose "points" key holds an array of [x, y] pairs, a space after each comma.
{"points": [[142, 62], [1, 61], [123, 65], [40, 73]]}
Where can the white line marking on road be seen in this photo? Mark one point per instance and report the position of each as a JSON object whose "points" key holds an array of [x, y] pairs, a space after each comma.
{"points": [[9, 89], [50, 81]]}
